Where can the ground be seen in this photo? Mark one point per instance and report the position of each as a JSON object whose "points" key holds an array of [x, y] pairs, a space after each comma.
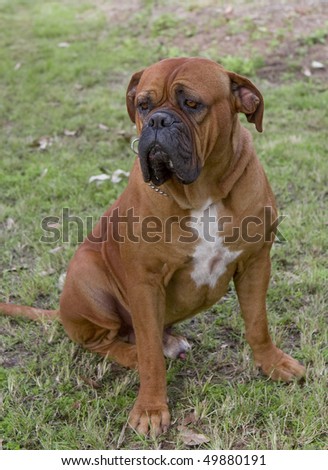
{"points": [[274, 31], [64, 120]]}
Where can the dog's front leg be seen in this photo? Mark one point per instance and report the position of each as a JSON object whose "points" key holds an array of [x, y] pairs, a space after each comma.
{"points": [[150, 412]]}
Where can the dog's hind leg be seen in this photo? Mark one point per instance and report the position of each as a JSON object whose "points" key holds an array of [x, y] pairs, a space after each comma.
{"points": [[90, 313], [106, 342], [175, 346]]}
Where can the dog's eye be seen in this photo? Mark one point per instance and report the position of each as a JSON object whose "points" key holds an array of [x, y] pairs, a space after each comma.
{"points": [[143, 106], [191, 104]]}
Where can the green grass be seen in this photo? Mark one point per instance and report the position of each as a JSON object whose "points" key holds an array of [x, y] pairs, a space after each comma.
{"points": [[54, 395]]}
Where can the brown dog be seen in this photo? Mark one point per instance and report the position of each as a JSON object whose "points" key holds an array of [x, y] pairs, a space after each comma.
{"points": [[193, 216]]}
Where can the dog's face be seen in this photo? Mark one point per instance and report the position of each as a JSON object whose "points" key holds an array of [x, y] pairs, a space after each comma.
{"points": [[180, 107]]}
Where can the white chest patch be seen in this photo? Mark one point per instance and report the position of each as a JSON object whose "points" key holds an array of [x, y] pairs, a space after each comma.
{"points": [[210, 257]]}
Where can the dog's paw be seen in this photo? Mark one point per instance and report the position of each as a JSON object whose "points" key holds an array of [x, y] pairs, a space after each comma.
{"points": [[130, 360], [278, 365], [150, 422], [175, 346]]}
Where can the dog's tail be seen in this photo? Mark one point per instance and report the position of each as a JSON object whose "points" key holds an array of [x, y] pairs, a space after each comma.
{"points": [[28, 312]]}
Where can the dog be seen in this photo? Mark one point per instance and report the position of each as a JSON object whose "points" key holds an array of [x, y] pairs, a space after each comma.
{"points": [[170, 244]]}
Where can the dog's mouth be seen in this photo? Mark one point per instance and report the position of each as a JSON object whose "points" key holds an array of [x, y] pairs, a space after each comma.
{"points": [[166, 152], [160, 166]]}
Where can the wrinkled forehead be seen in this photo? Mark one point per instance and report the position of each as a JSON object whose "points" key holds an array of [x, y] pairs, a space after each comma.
{"points": [[201, 76]]}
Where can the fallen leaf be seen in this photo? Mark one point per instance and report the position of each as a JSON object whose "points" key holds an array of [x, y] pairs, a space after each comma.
{"points": [[48, 272], [44, 172], [99, 178], [92, 383], [228, 10], [42, 143], [190, 418], [191, 438], [115, 178], [125, 135], [61, 281], [301, 11], [69, 133], [317, 65], [121, 436], [103, 127], [118, 175], [14, 269], [75, 133], [57, 248], [10, 223]]}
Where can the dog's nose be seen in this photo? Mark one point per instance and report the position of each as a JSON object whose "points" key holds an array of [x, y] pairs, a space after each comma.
{"points": [[160, 120]]}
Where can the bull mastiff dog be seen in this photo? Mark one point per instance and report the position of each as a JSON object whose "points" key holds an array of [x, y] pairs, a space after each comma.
{"points": [[168, 247]]}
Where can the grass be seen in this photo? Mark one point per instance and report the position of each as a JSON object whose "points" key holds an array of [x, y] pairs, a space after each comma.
{"points": [[54, 395]]}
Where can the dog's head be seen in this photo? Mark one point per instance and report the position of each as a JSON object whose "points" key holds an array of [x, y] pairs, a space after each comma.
{"points": [[183, 109]]}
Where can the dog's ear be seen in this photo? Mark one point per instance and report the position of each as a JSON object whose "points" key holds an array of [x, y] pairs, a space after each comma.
{"points": [[248, 99], [131, 94]]}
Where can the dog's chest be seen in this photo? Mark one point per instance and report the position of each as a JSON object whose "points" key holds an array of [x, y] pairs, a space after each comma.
{"points": [[211, 256]]}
